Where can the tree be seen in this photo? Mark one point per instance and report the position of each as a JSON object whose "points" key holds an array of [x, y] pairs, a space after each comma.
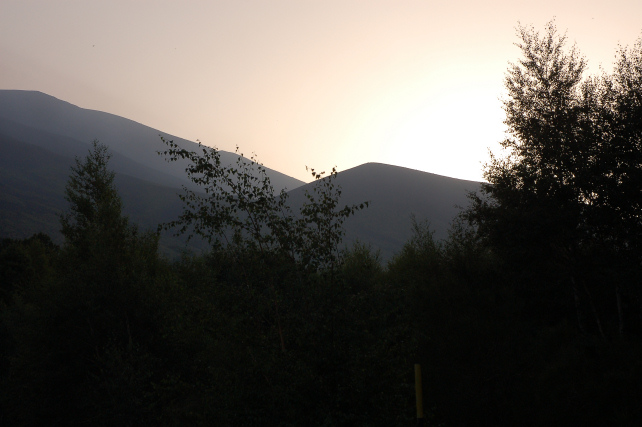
{"points": [[617, 192], [563, 202], [95, 206], [530, 209], [94, 227], [241, 214], [81, 334], [241, 211]]}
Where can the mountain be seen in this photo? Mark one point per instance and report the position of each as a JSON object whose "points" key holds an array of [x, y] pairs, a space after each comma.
{"points": [[40, 136], [32, 185], [26, 114], [395, 194]]}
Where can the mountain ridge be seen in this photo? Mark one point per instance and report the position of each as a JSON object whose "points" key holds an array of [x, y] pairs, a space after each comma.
{"points": [[396, 196], [125, 136], [36, 164]]}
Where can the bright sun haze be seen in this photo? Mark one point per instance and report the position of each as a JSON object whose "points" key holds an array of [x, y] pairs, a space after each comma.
{"points": [[413, 83]]}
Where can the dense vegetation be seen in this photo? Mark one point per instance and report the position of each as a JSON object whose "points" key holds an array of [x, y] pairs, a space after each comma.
{"points": [[528, 314]]}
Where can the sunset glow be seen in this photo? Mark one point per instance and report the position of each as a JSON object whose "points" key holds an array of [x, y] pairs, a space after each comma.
{"points": [[318, 83]]}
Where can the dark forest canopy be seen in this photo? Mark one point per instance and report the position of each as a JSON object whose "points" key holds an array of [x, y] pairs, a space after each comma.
{"points": [[528, 314]]}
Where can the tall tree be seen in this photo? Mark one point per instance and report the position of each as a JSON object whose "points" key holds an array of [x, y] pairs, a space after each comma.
{"points": [[81, 335], [531, 205], [94, 227], [562, 201], [95, 208], [619, 189]]}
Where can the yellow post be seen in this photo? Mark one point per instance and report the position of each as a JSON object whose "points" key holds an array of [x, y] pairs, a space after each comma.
{"points": [[419, 394]]}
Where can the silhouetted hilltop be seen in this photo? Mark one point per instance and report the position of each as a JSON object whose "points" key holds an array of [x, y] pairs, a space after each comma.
{"points": [[395, 195]]}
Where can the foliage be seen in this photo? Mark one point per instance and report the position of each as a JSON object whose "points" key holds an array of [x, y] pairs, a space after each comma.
{"points": [[241, 210], [95, 209], [563, 202], [114, 335], [69, 326], [275, 327], [466, 326], [24, 262], [345, 356], [532, 194]]}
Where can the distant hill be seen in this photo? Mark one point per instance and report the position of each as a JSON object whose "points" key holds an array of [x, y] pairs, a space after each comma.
{"points": [[67, 125], [395, 195], [40, 136], [32, 185]]}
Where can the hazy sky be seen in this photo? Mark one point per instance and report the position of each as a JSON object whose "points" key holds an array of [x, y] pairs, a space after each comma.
{"points": [[317, 83]]}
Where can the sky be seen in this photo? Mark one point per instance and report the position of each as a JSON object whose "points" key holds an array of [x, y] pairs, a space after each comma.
{"points": [[318, 83]]}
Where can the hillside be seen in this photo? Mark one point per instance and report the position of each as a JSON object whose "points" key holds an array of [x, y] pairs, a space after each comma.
{"points": [[396, 194], [32, 185], [38, 112], [40, 136]]}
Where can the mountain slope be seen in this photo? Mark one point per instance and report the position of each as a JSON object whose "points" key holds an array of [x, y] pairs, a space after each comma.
{"points": [[32, 185], [130, 139], [40, 136], [66, 147], [395, 195]]}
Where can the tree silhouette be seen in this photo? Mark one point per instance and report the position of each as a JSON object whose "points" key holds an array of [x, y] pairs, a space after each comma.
{"points": [[241, 210], [563, 199]]}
